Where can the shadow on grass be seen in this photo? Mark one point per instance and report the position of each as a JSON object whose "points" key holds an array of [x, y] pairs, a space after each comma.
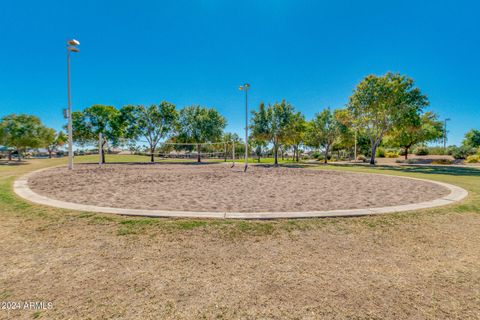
{"points": [[13, 163], [445, 170]]}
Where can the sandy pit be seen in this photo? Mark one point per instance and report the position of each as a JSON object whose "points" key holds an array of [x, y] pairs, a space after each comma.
{"points": [[219, 188]]}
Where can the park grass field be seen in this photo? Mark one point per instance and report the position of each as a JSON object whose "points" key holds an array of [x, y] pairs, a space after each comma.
{"points": [[414, 265]]}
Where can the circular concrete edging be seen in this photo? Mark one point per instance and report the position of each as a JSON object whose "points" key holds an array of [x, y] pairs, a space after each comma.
{"points": [[21, 188]]}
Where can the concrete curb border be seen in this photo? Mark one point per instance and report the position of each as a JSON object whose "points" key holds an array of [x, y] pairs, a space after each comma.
{"points": [[21, 188]]}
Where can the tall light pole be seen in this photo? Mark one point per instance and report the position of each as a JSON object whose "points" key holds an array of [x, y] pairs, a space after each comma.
{"points": [[445, 134], [71, 47], [245, 88]]}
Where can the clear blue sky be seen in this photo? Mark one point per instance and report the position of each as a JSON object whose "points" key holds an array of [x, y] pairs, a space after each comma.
{"points": [[311, 53]]}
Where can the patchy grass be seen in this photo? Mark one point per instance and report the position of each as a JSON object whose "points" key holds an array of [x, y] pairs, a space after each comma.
{"points": [[11, 204]]}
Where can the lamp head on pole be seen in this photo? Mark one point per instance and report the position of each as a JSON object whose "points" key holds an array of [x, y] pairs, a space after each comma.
{"points": [[73, 42], [72, 45], [246, 86]]}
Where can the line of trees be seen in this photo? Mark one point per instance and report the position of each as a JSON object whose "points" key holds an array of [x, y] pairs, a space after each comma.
{"points": [[193, 125], [21, 132], [386, 111]]}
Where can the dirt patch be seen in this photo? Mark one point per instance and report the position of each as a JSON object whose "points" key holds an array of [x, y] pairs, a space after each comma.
{"points": [[219, 188]]}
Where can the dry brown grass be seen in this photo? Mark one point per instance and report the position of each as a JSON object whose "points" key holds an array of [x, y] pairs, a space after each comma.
{"points": [[420, 265]]}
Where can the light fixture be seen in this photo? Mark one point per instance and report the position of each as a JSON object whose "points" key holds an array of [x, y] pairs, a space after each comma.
{"points": [[73, 42]]}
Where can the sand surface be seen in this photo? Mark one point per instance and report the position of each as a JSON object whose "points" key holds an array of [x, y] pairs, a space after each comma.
{"points": [[217, 187]]}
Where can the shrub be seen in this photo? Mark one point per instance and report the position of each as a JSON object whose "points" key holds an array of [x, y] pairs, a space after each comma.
{"points": [[320, 156], [442, 161], [391, 154], [451, 150], [440, 151], [409, 161], [380, 152], [463, 152], [362, 158], [421, 151], [474, 158]]}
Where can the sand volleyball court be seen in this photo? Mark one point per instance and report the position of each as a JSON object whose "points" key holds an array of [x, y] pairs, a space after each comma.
{"points": [[219, 188]]}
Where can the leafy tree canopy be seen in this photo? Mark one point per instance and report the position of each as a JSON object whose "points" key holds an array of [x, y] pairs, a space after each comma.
{"points": [[51, 140], [153, 123], [272, 124], [415, 129], [472, 139], [22, 131], [381, 102], [323, 130], [88, 124], [199, 125]]}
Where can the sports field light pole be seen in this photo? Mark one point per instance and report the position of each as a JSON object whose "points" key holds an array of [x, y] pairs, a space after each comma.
{"points": [[71, 47], [245, 88], [445, 134]]}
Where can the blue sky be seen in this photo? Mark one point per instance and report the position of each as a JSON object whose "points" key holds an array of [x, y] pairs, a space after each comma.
{"points": [[312, 53]]}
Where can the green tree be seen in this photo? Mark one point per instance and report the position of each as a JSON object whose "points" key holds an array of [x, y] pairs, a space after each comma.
{"points": [[415, 129], [199, 125], [296, 133], [472, 139], [346, 136], [96, 120], [258, 147], [323, 130], [271, 124], [126, 124], [3, 135], [51, 140], [155, 123], [379, 103], [21, 132], [231, 140]]}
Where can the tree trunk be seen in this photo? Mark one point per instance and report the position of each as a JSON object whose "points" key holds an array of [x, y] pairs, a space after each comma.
{"points": [[275, 154], [9, 155], [283, 153], [293, 158], [103, 152], [18, 155], [225, 151], [296, 148], [326, 154], [198, 153], [374, 150], [152, 154], [406, 153], [49, 153]]}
